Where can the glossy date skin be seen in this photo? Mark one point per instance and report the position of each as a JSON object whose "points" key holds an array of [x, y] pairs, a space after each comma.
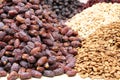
{"points": [[33, 42]]}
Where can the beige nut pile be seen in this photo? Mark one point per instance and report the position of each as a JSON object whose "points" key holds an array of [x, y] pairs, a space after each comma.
{"points": [[99, 56], [94, 17]]}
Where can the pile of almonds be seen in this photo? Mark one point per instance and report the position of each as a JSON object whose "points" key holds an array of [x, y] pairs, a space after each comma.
{"points": [[33, 43], [99, 57]]}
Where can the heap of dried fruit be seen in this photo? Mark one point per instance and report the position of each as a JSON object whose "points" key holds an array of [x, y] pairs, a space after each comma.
{"points": [[99, 57], [65, 8], [33, 43]]}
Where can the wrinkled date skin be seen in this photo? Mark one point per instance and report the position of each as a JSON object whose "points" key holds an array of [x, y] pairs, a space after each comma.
{"points": [[33, 42]]}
